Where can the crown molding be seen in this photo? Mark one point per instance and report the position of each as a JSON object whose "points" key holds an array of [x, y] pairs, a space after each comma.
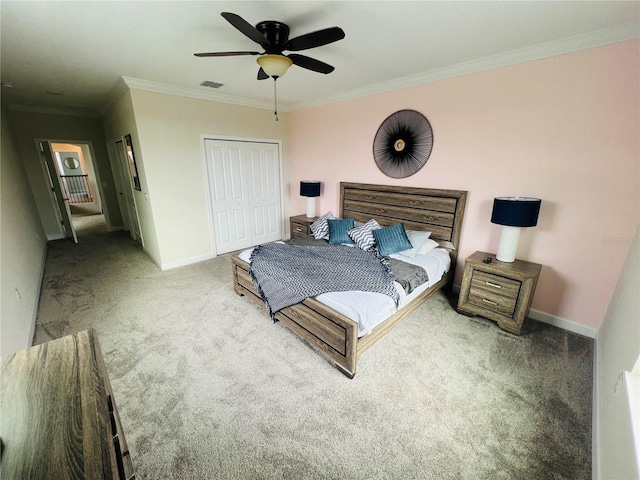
{"points": [[536, 52], [199, 94]]}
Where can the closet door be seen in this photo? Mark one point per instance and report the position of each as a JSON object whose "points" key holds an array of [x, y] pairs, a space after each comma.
{"points": [[245, 193], [264, 193]]}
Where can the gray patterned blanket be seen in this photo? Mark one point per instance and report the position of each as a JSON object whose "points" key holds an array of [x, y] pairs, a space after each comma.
{"points": [[406, 274], [287, 274]]}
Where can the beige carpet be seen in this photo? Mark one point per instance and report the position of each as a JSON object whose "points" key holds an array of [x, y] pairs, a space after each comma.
{"points": [[209, 388]]}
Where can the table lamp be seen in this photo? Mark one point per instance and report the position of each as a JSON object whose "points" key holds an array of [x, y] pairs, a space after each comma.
{"points": [[311, 190], [513, 213]]}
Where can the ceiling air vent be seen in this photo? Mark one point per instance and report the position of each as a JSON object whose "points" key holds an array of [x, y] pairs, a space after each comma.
{"points": [[210, 84]]}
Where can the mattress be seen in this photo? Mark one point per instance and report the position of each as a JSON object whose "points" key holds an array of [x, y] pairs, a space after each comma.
{"points": [[370, 309]]}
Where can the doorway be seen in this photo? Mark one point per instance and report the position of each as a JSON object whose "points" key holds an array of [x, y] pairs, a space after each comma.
{"points": [[79, 182], [74, 182], [126, 183], [245, 190]]}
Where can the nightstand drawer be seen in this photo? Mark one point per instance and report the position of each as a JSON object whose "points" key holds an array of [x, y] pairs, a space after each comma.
{"points": [[299, 230], [495, 285], [493, 292], [300, 225], [491, 301]]}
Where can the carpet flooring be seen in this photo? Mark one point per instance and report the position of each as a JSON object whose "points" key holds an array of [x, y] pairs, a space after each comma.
{"points": [[208, 387]]}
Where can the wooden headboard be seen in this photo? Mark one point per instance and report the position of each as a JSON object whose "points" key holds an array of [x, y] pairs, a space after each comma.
{"points": [[438, 211]]}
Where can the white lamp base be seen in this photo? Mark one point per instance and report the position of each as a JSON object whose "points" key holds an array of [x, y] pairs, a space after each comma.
{"points": [[508, 244], [311, 207]]}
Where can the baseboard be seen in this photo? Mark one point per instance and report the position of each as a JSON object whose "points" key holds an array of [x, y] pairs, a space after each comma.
{"points": [[55, 236], [36, 303], [563, 323], [114, 229], [187, 261], [559, 322]]}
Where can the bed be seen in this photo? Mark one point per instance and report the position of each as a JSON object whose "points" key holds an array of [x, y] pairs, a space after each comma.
{"points": [[420, 209]]}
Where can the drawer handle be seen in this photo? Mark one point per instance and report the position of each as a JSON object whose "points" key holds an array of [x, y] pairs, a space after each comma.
{"points": [[494, 285], [495, 304], [298, 229]]}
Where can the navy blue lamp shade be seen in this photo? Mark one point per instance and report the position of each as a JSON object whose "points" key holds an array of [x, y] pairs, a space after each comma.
{"points": [[311, 190], [516, 211]]}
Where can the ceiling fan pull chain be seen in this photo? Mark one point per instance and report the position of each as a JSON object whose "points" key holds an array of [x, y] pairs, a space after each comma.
{"points": [[275, 95]]}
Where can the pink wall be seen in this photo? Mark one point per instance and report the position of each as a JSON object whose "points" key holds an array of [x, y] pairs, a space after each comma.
{"points": [[564, 129]]}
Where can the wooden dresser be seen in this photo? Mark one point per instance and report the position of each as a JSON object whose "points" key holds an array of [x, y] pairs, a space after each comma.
{"points": [[497, 290], [59, 418]]}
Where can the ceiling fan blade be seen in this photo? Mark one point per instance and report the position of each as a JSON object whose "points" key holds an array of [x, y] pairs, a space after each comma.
{"points": [[224, 54], [315, 39], [246, 28], [262, 75], [310, 63]]}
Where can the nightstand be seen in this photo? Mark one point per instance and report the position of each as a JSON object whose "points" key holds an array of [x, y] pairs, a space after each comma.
{"points": [[498, 290], [301, 225]]}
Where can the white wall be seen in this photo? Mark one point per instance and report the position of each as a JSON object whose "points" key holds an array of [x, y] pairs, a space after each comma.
{"points": [[617, 350], [22, 250], [118, 122], [169, 150]]}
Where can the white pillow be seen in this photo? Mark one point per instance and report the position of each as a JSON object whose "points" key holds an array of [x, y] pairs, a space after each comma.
{"points": [[417, 240], [320, 228], [445, 244], [427, 246]]}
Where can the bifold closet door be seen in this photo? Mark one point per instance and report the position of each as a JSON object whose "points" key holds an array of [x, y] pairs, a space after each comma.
{"points": [[245, 193]]}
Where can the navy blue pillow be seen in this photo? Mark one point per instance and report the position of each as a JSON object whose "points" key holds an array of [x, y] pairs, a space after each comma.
{"points": [[392, 239], [339, 230]]}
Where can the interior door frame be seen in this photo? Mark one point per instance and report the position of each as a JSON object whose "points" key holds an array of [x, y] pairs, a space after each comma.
{"points": [[60, 203], [126, 182], [116, 171], [96, 171], [206, 179]]}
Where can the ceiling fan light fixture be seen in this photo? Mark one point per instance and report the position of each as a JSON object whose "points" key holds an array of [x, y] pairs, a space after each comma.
{"points": [[274, 65]]}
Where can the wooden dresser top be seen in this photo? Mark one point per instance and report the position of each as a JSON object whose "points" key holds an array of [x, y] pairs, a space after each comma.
{"points": [[54, 412]]}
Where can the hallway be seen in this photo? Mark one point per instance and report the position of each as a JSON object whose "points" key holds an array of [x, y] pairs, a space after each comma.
{"points": [[85, 225], [79, 275]]}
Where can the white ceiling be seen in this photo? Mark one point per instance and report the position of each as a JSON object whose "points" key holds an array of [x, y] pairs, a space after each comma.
{"points": [[81, 50]]}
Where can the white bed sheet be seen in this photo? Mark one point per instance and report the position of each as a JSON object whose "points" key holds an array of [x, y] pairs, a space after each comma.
{"points": [[370, 309]]}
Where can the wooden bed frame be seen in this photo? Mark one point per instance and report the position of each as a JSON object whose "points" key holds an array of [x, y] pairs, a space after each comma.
{"points": [[438, 211]]}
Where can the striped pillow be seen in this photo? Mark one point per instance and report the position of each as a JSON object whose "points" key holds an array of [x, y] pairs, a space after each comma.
{"points": [[338, 228], [362, 235], [392, 239], [320, 228]]}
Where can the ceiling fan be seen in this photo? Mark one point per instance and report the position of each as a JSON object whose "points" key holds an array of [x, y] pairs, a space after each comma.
{"points": [[273, 37]]}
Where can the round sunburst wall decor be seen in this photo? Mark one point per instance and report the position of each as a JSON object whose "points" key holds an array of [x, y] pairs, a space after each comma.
{"points": [[403, 143]]}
